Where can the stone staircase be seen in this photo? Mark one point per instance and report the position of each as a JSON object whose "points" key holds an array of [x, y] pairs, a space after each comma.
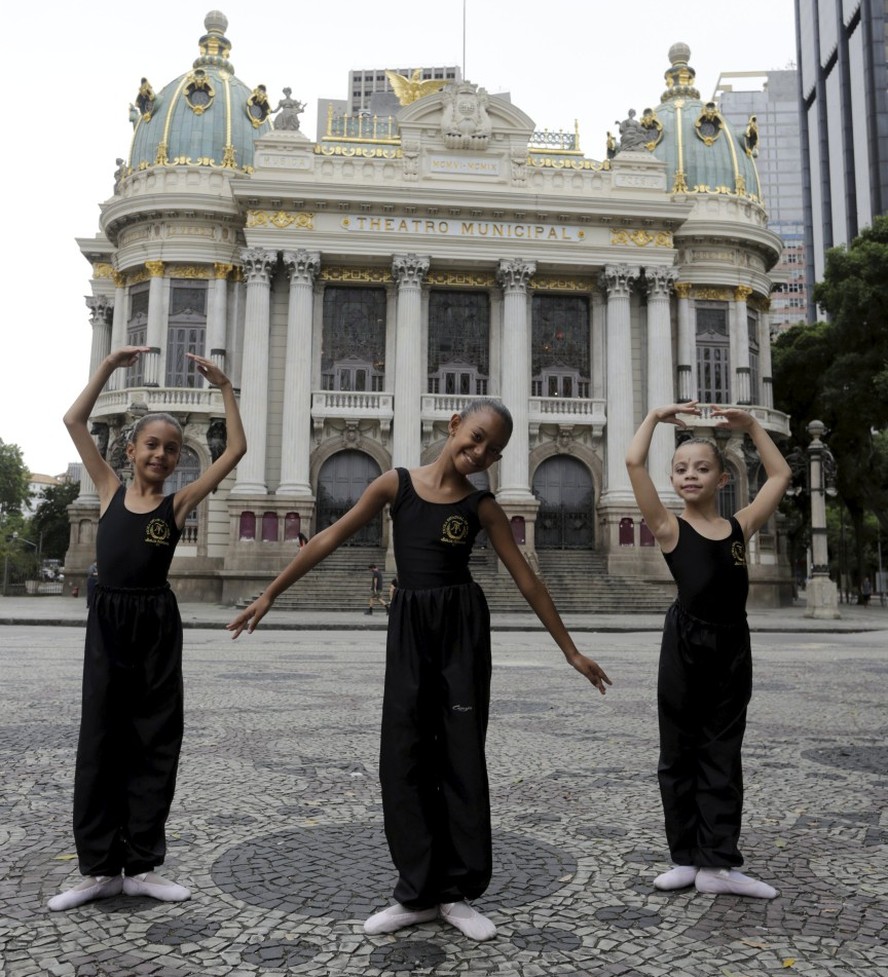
{"points": [[576, 579]]}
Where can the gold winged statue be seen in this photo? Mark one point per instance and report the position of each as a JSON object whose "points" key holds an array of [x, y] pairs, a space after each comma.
{"points": [[410, 89]]}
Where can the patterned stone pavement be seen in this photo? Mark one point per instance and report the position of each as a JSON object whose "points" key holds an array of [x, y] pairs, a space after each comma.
{"points": [[277, 824]]}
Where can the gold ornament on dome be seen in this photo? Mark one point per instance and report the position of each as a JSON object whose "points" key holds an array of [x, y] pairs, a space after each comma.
{"points": [[199, 92], [709, 124], [257, 106], [409, 90], [653, 126]]}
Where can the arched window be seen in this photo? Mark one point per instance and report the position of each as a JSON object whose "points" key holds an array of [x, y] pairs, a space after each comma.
{"points": [[342, 479], [727, 497], [185, 473], [247, 527], [269, 527]]}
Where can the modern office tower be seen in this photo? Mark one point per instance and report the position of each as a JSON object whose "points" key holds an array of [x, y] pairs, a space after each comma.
{"points": [[769, 101], [843, 76]]}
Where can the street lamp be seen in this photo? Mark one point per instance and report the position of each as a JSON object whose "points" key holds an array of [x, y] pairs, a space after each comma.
{"points": [[821, 593]]}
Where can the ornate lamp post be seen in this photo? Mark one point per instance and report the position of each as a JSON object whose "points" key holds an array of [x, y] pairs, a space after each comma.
{"points": [[822, 593]]}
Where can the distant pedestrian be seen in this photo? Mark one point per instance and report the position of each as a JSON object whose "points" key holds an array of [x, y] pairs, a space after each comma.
{"points": [[435, 796], [92, 578], [131, 717], [376, 596], [705, 674], [866, 591]]}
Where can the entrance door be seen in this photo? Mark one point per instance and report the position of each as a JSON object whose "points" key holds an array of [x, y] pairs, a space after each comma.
{"points": [[341, 482], [566, 517]]}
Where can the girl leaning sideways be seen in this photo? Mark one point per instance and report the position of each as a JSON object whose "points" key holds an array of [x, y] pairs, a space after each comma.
{"points": [[131, 722], [705, 673], [437, 679]]}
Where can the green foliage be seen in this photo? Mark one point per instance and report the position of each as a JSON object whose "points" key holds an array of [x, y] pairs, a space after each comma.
{"points": [[13, 479], [837, 372], [50, 521]]}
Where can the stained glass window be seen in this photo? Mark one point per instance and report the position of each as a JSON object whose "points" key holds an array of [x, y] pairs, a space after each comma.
{"points": [[459, 342], [186, 331], [560, 353], [353, 353]]}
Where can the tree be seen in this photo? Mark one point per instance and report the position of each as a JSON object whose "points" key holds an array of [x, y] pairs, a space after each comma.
{"points": [[50, 521], [14, 477], [837, 372]]}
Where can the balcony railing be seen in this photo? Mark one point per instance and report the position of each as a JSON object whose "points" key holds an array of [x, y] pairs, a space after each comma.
{"points": [[170, 400], [354, 405]]}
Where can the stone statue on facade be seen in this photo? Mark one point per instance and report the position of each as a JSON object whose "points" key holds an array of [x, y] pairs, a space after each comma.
{"points": [[217, 435], [119, 174], [632, 134], [465, 123], [751, 137], [288, 112], [145, 99]]}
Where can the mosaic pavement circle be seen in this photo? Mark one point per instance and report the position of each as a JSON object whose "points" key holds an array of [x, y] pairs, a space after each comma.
{"points": [[345, 871]]}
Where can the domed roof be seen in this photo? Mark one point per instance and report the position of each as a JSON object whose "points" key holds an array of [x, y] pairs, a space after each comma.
{"points": [[703, 153], [206, 117]]}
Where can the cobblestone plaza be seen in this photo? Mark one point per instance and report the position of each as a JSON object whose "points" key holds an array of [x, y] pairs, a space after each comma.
{"points": [[277, 823]]}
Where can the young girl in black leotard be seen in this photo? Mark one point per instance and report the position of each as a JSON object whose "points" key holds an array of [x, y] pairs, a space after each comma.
{"points": [[437, 679], [131, 722], [705, 676]]}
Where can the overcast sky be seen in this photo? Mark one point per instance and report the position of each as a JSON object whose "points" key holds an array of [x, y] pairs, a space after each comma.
{"points": [[71, 70]]}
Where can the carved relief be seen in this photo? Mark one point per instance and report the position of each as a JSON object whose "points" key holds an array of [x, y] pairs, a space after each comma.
{"points": [[465, 123]]}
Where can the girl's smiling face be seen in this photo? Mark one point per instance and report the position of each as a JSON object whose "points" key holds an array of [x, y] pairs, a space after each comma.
{"points": [[479, 440], [155, 452]]}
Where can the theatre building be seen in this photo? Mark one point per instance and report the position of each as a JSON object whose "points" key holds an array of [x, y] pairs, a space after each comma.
{"points": [[361, 287]]}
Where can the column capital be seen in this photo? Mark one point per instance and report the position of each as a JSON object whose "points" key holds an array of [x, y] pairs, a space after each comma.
{"points": [[258, 264], [659, 280], [619, 279], [222, 269], [742, 293], [302, 266], [155, 268], [101, 310], [119, 279], [682, 289], [513, 274], [410, 269]]}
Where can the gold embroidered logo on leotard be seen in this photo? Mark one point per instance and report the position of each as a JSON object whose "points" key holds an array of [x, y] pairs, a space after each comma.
{"points": [[738, 551], [158, 532], [455, 530]]}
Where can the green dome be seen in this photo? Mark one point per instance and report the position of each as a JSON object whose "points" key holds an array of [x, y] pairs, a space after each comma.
{"points": [[206, 117], [703, 153]]}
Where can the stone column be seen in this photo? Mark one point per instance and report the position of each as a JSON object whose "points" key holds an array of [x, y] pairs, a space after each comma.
{"points": [[741, 393], [152, 368], [766, 396], [302, 267], [409, 271], [513, 275], [598, 347], [660, 381], [687, 346], [821, 593], [100, 313], [118, 327], [618, 280], [217, 314], [258, 265]]}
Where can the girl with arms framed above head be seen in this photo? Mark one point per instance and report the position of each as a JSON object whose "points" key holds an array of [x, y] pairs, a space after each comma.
{"points": [[705, 674], [437, 679], [131, 722]]}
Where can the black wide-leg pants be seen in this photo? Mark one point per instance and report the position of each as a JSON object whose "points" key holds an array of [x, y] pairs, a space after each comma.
{"points": [[432, 764], [130, 731], [704, 688]]}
